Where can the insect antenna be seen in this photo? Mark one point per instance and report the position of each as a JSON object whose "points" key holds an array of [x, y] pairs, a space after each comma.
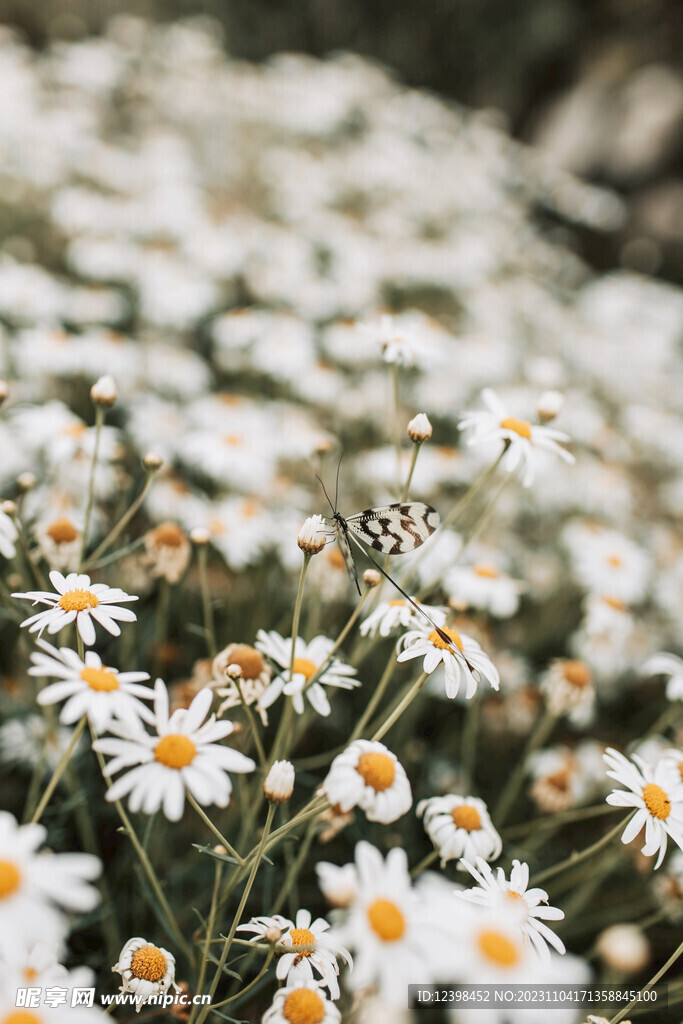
{"points": [[336, 486], [333, 507]]}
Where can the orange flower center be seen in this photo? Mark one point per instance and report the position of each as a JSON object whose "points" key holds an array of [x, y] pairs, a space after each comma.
{"points": [[21, 1017], [487, 571], [148, 963], [303, 1006], [305, 667], [100, 679], [10, 878], [78, 600], [396, 604], [576, 673], [615, 603], [559, 780], [467, 817], [168, 535], [521, 427], [615, 561], [62, 531], [175, 751], [249, 660], [30, 973], [232, 440], [377, 770], [302, 937], [440, 643], [498, 948], [656, 801], [386, 920]]}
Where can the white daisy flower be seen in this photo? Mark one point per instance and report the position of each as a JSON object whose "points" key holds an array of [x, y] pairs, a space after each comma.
{"points": [[484, 587], [308, 659], [89, 687], [401, 934], [369, 776], [299, 966], [460, 827], [182, 754], [389, 615], [59, 542], [659, 805], [78, 599], [608, 563], [146, 970], [301, 1003], [8, 535], [339, 885], [38, 889], [496, 889], [38, 968], [568, 690], [524, 440], [32, 741], [667, 665], [397, 344], [462, 657]]}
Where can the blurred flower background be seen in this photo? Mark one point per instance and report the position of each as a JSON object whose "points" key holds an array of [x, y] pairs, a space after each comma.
{"points": [[239, 240]]}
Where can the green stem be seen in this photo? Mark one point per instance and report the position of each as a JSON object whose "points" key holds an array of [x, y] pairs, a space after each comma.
{"points": [[557, 821], [297, 864], [396, 714], [99, 420], [470, 732], [424, 863], [396, 417], [238, 914], [544, 727], [212, 828], [651, 983], [209, 934], [124, 520], [253, 725], [207, 609], [251, 985], [376, 698], [59, 771], [577, 858], [409, 478], [667, 718], [340, 639]]}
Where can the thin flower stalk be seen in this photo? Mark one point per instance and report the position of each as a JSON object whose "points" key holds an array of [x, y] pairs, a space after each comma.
{"points": [[218, 870], [578, 858], [207, 607], [543, 728], [678, 952], [406, 701], [210, 825], [120, 526], [99, 420], [59, 771]]}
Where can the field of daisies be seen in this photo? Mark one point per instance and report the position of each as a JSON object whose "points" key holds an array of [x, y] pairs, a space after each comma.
{"points": [[248, 773]]}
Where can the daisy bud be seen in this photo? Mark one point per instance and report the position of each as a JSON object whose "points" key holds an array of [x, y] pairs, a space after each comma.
{"points": [[549, 405], [25, 481], [272, 934], [103, 392], [234, 671], [371, 578], [9, 508], [312, 536], [4, 390], [151, 461], [279, 784], [220, 850], [200, 536], [419, 428], [624, 948]]}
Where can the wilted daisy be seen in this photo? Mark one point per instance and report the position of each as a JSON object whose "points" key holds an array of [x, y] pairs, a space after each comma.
{"points": [[524, 440], [369, 776], [77, 599], [658, 803], [168, 551], [568, 690], [146, 970], [308, 660], [254, 680], [300, 966], [493, 889], [460, 827], [8, 535], [461, 657], [667, 665], [182, 754], [59, 541], [89, 687], [389, 615], [302, 1002], [400, 933], [38, 889]]}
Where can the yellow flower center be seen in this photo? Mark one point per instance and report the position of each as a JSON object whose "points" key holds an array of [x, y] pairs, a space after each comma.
{"points": [[148, 963], [576, 673], [467, 817], [386, 920], [62, 531], [175, 751], [249, 660], [100, 679], [78, 600], [656, 801], [302, 937], [21, 1017], [303, 1006], [74, 430], [615, 561], [233, 440], [559, 780], [168, 535], [305, 667], [10, 878], [396, 604], [520, 427], [377, 770], [498, 948], [487, 571], [440, 643], [615, 603], [30, 973]]}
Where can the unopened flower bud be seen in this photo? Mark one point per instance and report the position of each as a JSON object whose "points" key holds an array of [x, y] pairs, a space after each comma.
{"points": [[371, 578], [419, 428], [312, 536], [549, 405], [25, 481], [272, 934], [4, 390], [103, 392], [220, 850], [624, 948], [200, 535], [234, 671], [151, 461], [279, 784], [9, 508]]}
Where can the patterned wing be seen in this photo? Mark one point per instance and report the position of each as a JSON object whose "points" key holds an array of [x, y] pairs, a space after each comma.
{"points": [[345, 548], [395, 529]]}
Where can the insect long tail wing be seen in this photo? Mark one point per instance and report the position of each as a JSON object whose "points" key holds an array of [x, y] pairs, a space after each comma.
{"points": [[345, 548]]}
